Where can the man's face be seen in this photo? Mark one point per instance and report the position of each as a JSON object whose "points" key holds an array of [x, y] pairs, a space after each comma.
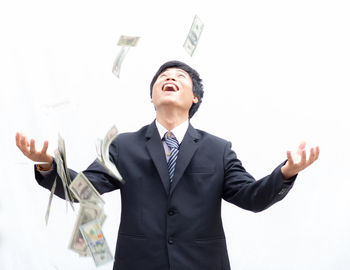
{"points": [[173, 87]]}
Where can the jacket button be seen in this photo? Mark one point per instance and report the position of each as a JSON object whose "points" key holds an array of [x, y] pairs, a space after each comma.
{"points": [[170, 240], [171, 212]]}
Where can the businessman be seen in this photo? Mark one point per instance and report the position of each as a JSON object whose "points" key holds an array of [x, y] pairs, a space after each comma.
{"points": [[175, 179]]}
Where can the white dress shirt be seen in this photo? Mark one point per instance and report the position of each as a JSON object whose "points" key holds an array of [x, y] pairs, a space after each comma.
{"points": [[179, 132]]}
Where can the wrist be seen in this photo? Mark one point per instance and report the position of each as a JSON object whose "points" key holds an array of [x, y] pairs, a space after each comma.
{"points": [[45, 166], [286, 173]]}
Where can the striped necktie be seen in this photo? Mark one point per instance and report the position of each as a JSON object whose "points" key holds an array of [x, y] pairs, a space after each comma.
{"points": [[173, 144]]}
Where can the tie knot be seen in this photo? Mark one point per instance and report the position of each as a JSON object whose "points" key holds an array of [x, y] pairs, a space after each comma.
{"points": [[171, 140]]}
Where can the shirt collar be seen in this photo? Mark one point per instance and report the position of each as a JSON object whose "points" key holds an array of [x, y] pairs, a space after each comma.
{"points": [[179, 131]]}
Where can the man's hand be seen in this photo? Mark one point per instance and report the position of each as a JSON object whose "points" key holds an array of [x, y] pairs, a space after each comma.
{"points": [[28, 149], [298, 161]]}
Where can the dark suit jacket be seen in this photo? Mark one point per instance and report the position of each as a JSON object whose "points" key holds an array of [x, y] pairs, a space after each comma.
{"points": [[177, 226]]}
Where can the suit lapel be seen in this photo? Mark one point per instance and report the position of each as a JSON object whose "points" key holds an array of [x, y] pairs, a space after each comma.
{"points": [[156, 151], [187, 148]]}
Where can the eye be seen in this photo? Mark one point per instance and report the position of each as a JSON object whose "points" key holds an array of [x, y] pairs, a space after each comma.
{"points": [[180, 75]]}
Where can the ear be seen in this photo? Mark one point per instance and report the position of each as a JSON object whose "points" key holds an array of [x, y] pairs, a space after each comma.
{"points": [[195, 99]]}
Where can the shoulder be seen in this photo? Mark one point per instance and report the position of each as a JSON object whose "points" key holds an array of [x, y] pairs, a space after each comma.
{"points": [[129, 137], [211, 142], [206, 136]]}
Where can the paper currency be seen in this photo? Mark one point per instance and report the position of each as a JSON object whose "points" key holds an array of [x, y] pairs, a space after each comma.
{"points": [[62, 151], [53, 188], [87, 212], [128, 41], [193, 36], [119, 60], [62, 174], [96, 242], [125, 42], [65, 171], [84, 191], [102, 149]]}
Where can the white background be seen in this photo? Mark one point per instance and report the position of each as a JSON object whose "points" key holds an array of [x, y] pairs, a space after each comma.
{"points": [[274, 72]]}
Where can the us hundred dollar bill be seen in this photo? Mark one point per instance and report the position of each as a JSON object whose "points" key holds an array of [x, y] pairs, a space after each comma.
{"points": [[87, 213], [193, 36], [119, 60], [84, 191], [96, 242], [128, 41], [102, 149], [62, 174]]}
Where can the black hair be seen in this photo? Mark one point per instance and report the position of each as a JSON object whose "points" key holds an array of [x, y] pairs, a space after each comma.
{"points": [[196, 81]]}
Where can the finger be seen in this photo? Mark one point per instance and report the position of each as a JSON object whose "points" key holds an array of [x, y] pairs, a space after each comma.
{"points": [[317, 152], [26, 142], [311, 157], [22, 140], [23, 144], [303, 157], [45, 146], [32, 146], [18, 138], [18, 141], [290, 158], [301, 147]]}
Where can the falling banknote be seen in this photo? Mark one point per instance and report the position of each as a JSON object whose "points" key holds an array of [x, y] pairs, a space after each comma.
{"points": [[102, 149], [96, 242], [193, 36], [128, 41], [119, 60], [125, 42], [84, 190], [87, 212]]}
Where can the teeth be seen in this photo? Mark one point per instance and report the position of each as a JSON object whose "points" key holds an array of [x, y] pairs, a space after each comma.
{"points": [[169, 87]]}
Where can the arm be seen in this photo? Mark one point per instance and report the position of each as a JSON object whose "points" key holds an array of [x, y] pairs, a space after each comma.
{"points": [[241, 189], [47, 172]]}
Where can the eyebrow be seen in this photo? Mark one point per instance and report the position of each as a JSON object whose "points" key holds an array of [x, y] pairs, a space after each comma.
{"points": [[178, 70]]}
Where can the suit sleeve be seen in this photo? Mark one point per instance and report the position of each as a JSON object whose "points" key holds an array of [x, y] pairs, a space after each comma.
{"points": [[241, 189], [96, 174]]}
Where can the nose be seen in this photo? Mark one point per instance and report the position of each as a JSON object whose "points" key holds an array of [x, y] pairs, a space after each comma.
{"points": [[170, 78]]}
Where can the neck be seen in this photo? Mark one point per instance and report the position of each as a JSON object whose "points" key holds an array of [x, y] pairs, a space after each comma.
{"points": [[171, 119]]}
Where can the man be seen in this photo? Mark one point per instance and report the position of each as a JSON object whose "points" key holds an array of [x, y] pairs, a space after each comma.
{"points": [[175, 179]]}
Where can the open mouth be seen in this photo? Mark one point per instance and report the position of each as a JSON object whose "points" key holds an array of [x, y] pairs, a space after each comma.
{"points": [[170, 87]]}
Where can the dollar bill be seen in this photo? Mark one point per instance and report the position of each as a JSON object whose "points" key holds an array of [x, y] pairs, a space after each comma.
{"points": [[62, 152], [102, 149], [53, 188], [193, 36], [128, 41], [119, 60], [84, 191], [87, 212], [96, 242], [62, 174]]}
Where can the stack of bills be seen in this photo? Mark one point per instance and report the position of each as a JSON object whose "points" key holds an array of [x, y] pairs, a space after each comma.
{"points": [[91, 210]]}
